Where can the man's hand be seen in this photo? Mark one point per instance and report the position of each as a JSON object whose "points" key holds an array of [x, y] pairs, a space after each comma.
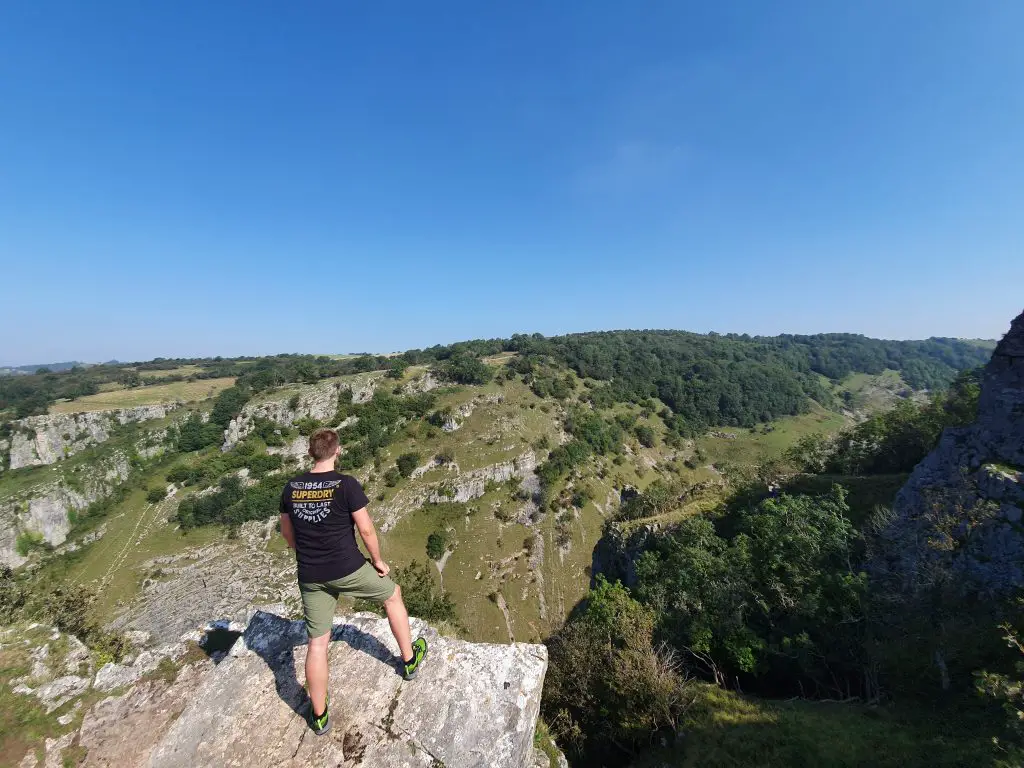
{"points": [[382, 568]]}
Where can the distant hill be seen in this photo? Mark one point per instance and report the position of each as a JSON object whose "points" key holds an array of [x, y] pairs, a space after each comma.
{"points": [[22, 370]]}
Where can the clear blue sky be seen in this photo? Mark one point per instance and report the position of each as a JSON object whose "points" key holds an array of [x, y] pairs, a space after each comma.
{"points": [[186, 178]]}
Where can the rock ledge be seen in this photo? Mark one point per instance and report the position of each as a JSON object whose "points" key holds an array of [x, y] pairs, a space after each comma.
{"points": [[473, 704]]}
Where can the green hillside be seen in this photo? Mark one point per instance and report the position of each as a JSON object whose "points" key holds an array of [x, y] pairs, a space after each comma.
{"points": [[496, 464]]}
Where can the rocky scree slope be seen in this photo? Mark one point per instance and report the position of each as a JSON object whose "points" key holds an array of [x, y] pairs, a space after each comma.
{"points": [[472, 704], [967, 495]]}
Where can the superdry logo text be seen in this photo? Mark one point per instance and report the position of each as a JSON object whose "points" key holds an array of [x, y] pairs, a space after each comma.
{"points": [[311, 500]]}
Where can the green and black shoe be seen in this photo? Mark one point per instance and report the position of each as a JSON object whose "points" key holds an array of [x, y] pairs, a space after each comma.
{"points": [[320, 724], [419, 653]]}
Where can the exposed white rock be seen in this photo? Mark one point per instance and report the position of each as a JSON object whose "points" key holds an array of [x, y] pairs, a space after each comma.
{"points": [[472, 705], [44, 509], [317, 401], [47, 439], [472, 485], [54, 750], [57, 693]]}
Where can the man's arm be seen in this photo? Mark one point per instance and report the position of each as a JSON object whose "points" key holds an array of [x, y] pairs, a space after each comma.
{"points": [[287, 531], [369, 536]]}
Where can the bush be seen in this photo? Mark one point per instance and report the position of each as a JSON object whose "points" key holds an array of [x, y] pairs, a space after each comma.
{"points": [[609, 690], [645, 435], [421, 597], [437, 544], [307, 425], [445, 456], [406, 463], [391, 477], [27, 541], [156, 495]]}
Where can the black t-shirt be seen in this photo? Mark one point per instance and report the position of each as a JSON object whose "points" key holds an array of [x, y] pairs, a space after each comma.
{"points": [[320, 505]]}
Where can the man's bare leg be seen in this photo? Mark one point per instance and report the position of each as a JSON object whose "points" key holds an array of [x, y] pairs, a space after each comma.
{"points": [[316, 672], [398, 618]]}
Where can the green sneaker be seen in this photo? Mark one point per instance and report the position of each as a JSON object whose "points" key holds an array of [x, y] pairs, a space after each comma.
{"points": [[419, 653], [322, 724]]}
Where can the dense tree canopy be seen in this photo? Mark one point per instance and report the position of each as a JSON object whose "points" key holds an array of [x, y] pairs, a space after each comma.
{"points": [[741, 380]]}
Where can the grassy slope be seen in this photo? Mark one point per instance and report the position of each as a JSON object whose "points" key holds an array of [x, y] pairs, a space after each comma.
{"points": [[725, 729], [537, 598], [733, 731]]}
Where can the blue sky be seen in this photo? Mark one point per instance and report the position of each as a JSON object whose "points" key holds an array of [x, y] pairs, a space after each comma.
{"points": [[196, 178]]}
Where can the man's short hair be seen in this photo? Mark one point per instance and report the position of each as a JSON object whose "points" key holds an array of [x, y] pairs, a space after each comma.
{"points": [[322, 444]]}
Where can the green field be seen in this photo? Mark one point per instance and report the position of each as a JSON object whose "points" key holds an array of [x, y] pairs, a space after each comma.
{"points": [[724, 730], [184, 391], [182, 370], [753, 446]]}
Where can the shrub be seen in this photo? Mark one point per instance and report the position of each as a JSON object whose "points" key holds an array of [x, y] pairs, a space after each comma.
{"points": [[609, 690], [645, 435], [307, 425], [27, 541], [156, 495], [406, 463], [437, 544], [445, 456], [391, 477]]}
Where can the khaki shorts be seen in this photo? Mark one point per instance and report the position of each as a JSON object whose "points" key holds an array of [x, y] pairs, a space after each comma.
{"points": [[320, 600]]}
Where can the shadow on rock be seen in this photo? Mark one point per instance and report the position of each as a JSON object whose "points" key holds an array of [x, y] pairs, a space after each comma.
{"points": [[274, 640]]}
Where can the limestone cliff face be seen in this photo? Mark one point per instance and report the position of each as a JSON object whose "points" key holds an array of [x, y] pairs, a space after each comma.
{"points": [[472, 704], [316, 401], [44, 509], [961, 508], [39, 440]]}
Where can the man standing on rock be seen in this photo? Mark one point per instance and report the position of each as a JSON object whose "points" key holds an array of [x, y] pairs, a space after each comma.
{"points": [[320, 512]]}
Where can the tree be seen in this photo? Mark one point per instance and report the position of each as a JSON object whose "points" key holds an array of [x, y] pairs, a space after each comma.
{"points": [[407, 462], [228, 405], [464, 369], [437, 544], [777, 597], [609, 690], [645, 435]]}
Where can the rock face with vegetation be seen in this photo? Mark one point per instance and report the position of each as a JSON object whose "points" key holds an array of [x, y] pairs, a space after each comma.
{"points": [[967, 496], [44, 513], [319, 402], [38, 440], [471, 705]]}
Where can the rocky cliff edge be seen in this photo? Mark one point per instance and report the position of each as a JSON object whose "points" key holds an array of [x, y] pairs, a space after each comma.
{"points": [[966, 498], [472, 704]]}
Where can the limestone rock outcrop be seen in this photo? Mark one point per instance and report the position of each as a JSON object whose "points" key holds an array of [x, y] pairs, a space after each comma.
{"points": [[44, 509], [316, 401], [472, 704], [965, 500], [39, 440]]}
